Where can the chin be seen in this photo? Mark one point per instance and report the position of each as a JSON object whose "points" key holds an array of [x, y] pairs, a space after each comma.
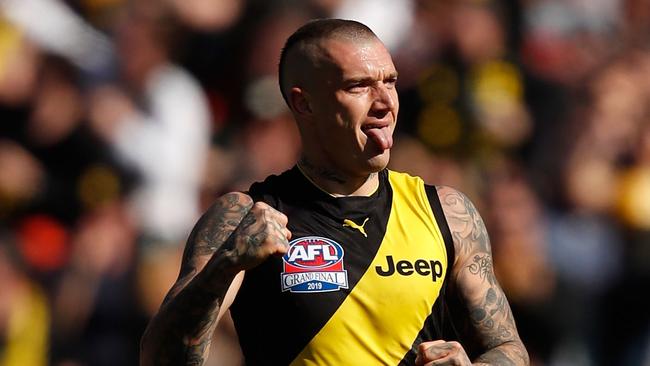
{"points": [[379, 162]]}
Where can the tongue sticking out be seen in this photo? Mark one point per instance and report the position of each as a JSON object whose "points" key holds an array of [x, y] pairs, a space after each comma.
{"points": [[381, 136]]}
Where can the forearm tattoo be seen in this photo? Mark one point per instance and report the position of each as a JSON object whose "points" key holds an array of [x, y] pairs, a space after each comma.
{"points": [[488, 308], [181, 332]]}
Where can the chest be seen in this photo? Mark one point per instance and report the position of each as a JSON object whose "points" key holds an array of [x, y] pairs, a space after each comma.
{"points": [[390, 255], [351, 277]]}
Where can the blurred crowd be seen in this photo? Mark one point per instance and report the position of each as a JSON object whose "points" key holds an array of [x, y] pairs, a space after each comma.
{"points": [[121, 120]]}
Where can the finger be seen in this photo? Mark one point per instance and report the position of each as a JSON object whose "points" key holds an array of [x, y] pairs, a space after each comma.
{"points": [[419, 360], [281, 230], [424, 345], [448, 360], [261, 205], [437, 351], [281, 251], [280, 244], [274, 215], [284, 243], [287, 233], [281, 218]]}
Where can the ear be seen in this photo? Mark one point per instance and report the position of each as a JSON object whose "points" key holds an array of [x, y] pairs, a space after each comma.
{"points": [[299, 100]]}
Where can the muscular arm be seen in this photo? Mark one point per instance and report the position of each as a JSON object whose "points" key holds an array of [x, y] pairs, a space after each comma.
{"points": [[233, 236], [488, 310], [180, 333]]}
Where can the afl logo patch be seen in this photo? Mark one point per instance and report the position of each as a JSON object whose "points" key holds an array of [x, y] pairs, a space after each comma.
{"points": [[313, 264]]}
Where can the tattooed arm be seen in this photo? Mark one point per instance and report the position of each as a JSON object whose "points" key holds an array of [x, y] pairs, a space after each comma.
{"points": [[232, 236], [487, 309]]}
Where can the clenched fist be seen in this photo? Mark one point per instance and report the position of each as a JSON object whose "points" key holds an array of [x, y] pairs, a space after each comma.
{"points": [[261, 233], [441, 353]]}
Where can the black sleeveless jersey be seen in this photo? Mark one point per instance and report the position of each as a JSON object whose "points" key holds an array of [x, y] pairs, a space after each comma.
{"points": [[363, 282]]}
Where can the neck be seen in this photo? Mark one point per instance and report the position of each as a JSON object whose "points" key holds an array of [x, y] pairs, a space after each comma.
{"points": [[336, 183]]}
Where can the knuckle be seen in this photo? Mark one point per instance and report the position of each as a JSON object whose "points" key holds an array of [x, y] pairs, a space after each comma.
{"points": [[259, 205], [283, 217], [273, 224], [422, 348]]}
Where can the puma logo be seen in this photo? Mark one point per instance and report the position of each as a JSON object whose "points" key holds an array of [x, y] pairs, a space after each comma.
{"points": [[352, 224]]}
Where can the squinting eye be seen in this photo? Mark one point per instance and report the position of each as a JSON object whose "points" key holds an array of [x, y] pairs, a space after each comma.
{"points": [[391, 82], [358, 88]]}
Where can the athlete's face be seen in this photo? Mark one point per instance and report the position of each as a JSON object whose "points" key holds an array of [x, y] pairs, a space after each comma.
{"points": [[355, 105]]}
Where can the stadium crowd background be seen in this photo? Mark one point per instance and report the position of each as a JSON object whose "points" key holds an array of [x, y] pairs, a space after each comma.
{"points": [[122, 120]]}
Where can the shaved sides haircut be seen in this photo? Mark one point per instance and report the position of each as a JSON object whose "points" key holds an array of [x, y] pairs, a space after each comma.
{"points": [[305, 43]]}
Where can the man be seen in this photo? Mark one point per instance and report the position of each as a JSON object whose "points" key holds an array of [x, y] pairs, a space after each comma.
{"points": [[378, 265]]}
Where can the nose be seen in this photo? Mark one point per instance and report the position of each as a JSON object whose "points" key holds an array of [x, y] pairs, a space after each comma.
{"points": [[384, 98]]}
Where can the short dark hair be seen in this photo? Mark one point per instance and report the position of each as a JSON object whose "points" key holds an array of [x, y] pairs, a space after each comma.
{"points": [[317, 30]]}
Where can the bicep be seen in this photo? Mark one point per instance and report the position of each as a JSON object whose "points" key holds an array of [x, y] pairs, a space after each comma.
{"points": [[487, 306]]}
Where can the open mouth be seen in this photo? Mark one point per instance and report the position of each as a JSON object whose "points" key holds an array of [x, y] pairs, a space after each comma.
{"points": [[370, 126], [379, 133]]}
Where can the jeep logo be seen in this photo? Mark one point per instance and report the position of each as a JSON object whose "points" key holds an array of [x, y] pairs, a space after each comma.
{"points": [[406, 268]]}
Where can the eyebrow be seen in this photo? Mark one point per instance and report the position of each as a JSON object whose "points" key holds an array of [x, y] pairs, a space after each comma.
{"points": [[368, 79]]}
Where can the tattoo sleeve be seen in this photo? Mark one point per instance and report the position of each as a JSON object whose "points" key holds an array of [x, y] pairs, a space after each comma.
{"points": [[181, 332], [488, 311]]}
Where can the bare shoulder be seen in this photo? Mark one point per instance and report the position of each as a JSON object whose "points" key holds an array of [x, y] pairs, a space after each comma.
{"points": [[465, 223]]}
